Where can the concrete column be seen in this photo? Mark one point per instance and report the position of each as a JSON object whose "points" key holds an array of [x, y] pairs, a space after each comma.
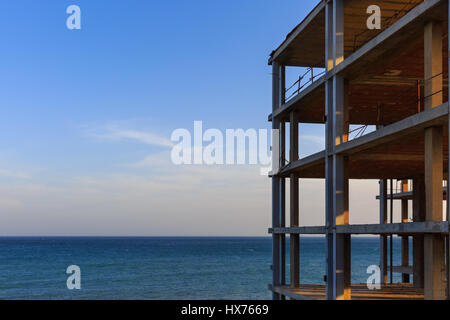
{"points": [[329, 217], [283, 201], [337, 122], [383, 238], [340, 118], [448, 171], [329, 63], [434, 245], [405, 239], [294, 238], [418, 216], [276, 190], [340, 194]]}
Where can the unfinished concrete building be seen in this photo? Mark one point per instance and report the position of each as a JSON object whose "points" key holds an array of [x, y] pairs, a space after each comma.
{"points": [[394, 79]]}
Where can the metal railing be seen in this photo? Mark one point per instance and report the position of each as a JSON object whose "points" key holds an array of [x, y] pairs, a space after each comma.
{"points": [[303, 80], [357, 132]]}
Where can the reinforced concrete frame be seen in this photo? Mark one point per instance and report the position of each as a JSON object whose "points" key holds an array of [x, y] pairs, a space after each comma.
{"points": [[367, 157]]}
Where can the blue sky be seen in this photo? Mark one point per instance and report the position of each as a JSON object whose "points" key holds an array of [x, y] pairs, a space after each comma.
{"points": [[162, 64], [84, 111]]}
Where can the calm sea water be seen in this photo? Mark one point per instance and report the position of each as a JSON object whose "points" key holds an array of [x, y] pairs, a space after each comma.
{"points": [[159, 268]]}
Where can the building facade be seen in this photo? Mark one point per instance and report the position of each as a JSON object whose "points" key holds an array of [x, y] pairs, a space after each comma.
{"points": [[394, 80]]}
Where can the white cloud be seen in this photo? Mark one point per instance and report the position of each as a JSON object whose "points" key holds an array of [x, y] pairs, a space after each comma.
{"points": [[159, 160], [144, 137], [119, 132], [156, 198], [185, 201]]}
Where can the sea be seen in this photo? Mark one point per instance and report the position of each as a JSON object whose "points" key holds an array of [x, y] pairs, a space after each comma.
{"points": [[164, 268]]}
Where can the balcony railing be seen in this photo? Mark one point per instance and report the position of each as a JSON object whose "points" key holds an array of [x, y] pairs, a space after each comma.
{"points": [[302, 82]]}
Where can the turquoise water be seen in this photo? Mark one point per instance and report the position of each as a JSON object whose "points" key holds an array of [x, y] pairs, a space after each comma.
{"points": [[159, 268]]}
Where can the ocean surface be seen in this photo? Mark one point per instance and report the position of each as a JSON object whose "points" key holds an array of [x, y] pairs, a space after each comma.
{"points": [[161, 268]]}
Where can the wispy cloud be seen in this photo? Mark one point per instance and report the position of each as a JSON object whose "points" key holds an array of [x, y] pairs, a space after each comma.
{"points": [[154, 160], [201, 200], [118, 133], [140, 136]]}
